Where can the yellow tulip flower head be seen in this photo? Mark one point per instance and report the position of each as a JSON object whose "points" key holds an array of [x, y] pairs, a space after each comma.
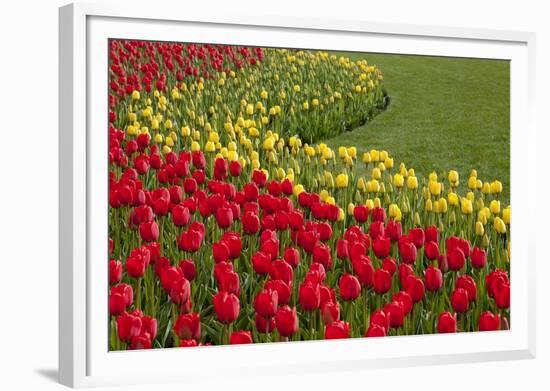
{"points": [[480, 230], [499, 225], [506, 215], [496, 187], [494, 206], [412, 183], [342, 181], [398, 180]]}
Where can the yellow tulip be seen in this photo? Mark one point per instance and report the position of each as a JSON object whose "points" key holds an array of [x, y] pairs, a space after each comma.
{"points": [[342, 181], [480, 230], [496, 187], [374, 155], [472, 183], [429, 205], [506, 215], [135, 95], [435, 188], [366, 158], [494, 206], [499, 225], [398, 180], [466, 206], [351, 208], [298, 189], [376, 174], [166, 149], [195, 146], [453, 177], [412, 183], [341, 214], [442, 205]]}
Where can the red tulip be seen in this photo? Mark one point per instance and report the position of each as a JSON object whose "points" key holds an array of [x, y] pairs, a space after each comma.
{"points": [[266, 303], [431, 249], [467, 283], [280, 270], [376, 230], [142, 341], [227, 307], [117, 304], [342, 249], [405, 299], [188, 343], [229, 282], [240, 338], [361, 213], [405, 270], [433, 278], [337, 330], [190, 241], [417, 237], [394, 230], [407, 250], [180, 291], [234, 243], [375, 330], [381, 319], [149, 231], [128, 326], [431, 234], [188, 268], [220, 252], [415, 288], [115, 271], [264, 325], [381, 281], [286, 321], [282, 288], [396, 313], [460, 300], [479, 258], [235, 168], [188, 326], [224, 217], [261, 263], [149, 325], [251, 192], [309, 296], [489, 321], [389, 265], [446, 323], [126, 291], [292, 256], [321, 254], [180, 215], [381, 247], [251, 223], [330, 312], [363, 269], [350, 288], [502, 295], [455, 259]]}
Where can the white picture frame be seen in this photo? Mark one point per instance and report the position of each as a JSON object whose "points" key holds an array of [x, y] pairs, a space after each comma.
{"points": [[84, 359]]}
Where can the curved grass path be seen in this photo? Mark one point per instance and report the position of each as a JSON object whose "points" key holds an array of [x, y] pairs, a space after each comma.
{"points": [[445, 113]]}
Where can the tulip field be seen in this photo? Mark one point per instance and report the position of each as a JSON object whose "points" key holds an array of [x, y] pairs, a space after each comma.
{"points": [[232, 220]]}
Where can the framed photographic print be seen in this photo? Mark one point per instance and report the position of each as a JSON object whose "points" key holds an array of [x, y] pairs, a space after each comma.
{"points": [[248, 196]]}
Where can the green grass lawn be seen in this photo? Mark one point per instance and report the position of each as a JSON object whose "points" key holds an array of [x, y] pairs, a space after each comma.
{"points": [[444, 113]]}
